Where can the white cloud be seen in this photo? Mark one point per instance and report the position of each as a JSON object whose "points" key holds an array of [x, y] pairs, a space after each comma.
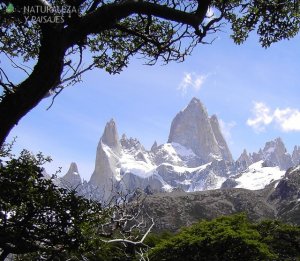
{"points": [[226, 128], [191, 81], [262, 117], [286, 119]]}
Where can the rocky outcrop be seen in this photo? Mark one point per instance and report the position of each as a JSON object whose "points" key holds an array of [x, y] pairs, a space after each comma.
{"points": [[195, 158], [130, 182], [225, 152], [107, 158], [245, 159], [110, 136], [257, 156], [286, 196], [72, 178], [279, 200], [172, 211], [296, 155], [154, 147], [275, 154], [192, 129]]}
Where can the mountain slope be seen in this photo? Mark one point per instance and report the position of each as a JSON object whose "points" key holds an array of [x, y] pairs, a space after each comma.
{"points": [[257, 176], [191, 128], [279, 200], [195, 158]]}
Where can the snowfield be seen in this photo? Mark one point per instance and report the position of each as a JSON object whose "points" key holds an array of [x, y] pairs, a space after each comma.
{"points": [[257, 177]]}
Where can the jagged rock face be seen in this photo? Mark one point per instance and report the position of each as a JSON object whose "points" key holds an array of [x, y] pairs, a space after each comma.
{"points": [[279, 200], [192, 129], [126, 165], [296, 155], [286, 196], [245, 159], [131, 182], [175, 154], [257, 156], [72, 178], [154, 147], [226, 154], [172, 211], [110, 136], [131, 144], [108, 152], [195, 158], [275, 154]]}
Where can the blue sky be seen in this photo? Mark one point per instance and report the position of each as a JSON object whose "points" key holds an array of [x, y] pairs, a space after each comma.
{"points": [[253, 91]]}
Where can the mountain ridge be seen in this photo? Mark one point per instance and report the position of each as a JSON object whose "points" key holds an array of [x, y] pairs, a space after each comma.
{"points": [[196, 157]]}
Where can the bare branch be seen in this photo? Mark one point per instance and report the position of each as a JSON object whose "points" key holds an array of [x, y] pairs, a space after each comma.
{"points": [[16, 65]]}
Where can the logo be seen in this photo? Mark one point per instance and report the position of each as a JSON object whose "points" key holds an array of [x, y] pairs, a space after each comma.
{"points": [[9, 8]]}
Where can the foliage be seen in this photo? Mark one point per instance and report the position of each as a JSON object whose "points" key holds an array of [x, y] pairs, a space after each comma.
{"points": [[282, 239], [37, 216], [148, 34], [231, 238], [40, 220], [113, 31], [154, 239]]}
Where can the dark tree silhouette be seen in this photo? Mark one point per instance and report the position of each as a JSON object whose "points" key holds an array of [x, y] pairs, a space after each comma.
{"points": [[113, 31], [41, 220]]}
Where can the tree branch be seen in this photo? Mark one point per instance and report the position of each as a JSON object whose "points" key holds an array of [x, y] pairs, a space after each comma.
{"points": [[106, 17]]}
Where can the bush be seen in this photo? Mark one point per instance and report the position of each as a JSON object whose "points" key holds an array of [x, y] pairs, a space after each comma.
{"points": [[231, 238]]}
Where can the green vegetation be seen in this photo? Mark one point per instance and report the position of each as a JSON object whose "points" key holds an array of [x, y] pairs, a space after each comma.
{"points": [[231, 238], [40, 220]]}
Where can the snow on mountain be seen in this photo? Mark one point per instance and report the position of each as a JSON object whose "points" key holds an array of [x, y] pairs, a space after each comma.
{"points": [[129, 164], [124, 164], [196, 157], [192, 129], [257, 177], [182, 151], [108, 153], [179, 169], [273, 154]]}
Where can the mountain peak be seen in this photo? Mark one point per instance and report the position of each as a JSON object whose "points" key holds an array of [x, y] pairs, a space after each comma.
{"points": [[192, 128], [245, 159], [72, 178], [154, 146], [195, 104], [275, 153], [274, 145], [73, 169], [110, 135], [195, 100]]}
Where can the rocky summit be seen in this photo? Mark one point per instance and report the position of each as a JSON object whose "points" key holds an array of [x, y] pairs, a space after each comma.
{"points": [[72, 178], [195, 158], [108, 154], [193, 129]]}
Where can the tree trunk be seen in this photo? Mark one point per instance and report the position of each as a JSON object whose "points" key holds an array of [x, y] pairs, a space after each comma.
{"points": [[45, 75]]}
